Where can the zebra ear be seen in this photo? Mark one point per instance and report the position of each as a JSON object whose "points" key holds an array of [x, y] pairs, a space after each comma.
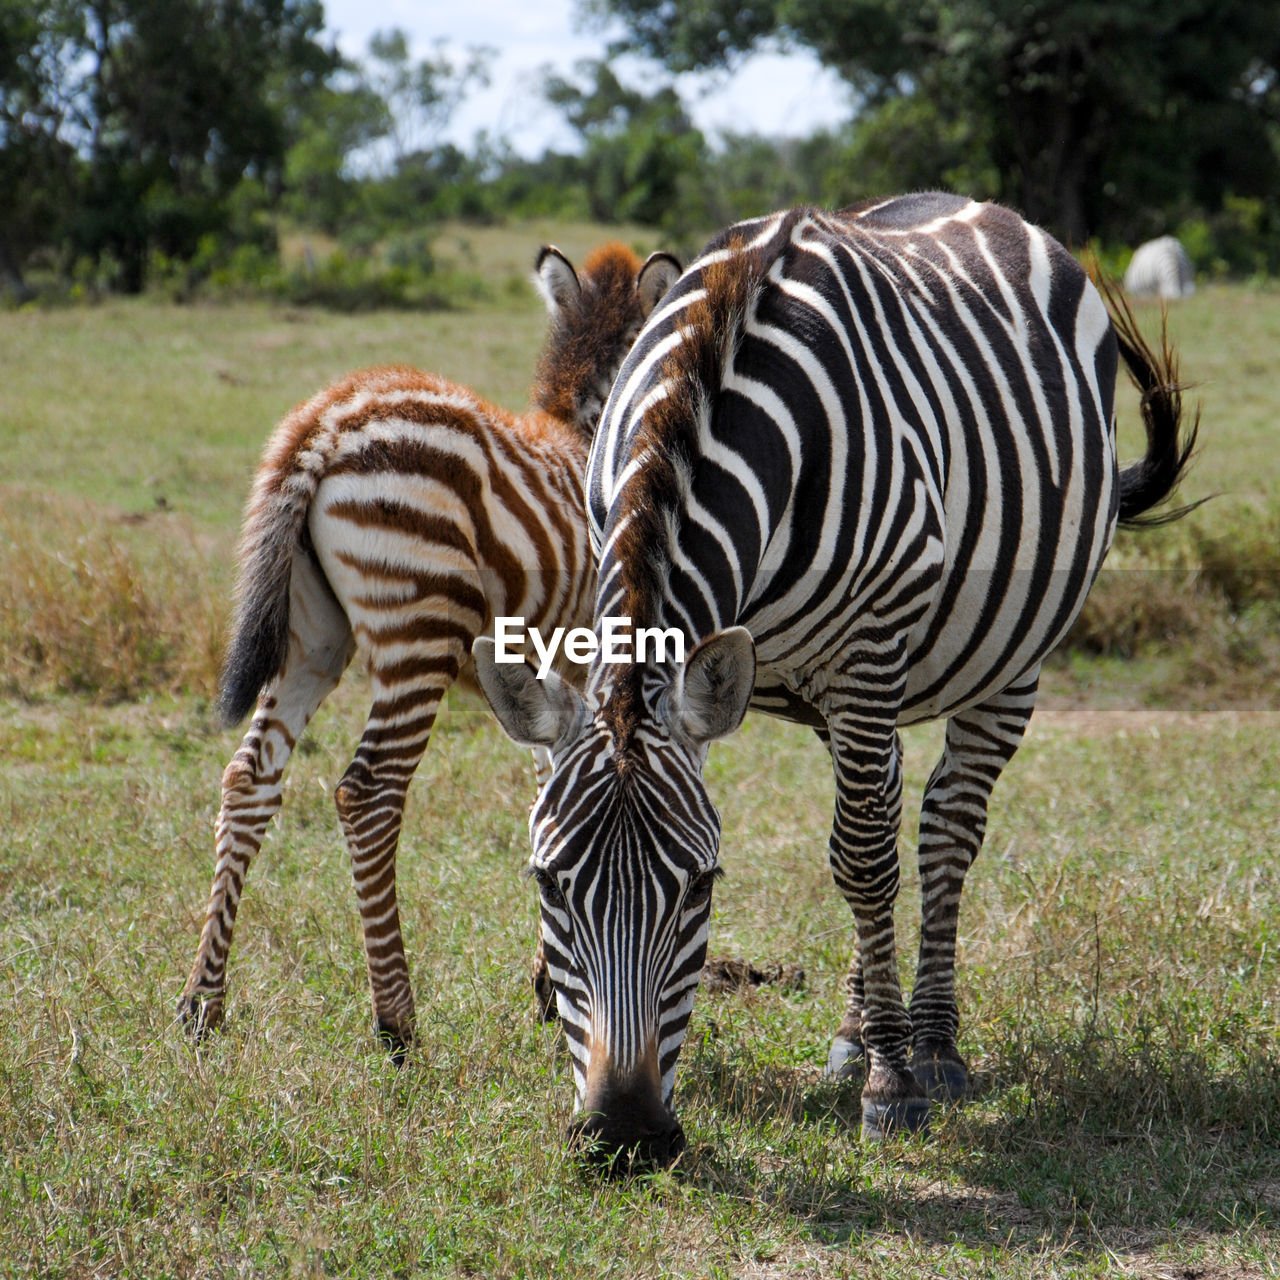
{"points": [[709, 695], [657, 275], [533, 712], [556, 280]]}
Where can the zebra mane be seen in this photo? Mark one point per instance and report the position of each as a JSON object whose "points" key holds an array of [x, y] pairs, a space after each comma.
{"points": [[648, 508]]}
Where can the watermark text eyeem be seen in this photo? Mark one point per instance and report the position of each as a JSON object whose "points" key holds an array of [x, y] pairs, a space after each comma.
{"points": [[614, 644]]}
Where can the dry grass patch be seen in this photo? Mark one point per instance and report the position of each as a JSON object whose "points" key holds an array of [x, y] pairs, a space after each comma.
{"points": [[86, 609]]}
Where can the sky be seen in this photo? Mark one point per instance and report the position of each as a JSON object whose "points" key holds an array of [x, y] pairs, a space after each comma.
{"points": [[772, 93]]}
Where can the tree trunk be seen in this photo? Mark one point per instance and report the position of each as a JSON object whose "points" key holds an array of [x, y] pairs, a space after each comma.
{"points": [[11, 279]]}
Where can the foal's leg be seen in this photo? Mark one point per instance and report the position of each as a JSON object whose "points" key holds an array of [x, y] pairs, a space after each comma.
{"points": [[980, 741], [409, 682], [320, 646]]}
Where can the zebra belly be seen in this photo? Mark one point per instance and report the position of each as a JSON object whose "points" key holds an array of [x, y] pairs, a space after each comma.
{"points": [[999, 627]]}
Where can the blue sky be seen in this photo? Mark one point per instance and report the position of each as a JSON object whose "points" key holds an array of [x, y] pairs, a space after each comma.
{"points": [[771, 93]]}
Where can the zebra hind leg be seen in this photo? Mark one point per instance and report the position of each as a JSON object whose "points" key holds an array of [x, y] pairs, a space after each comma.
{"points": [[320, 647], [980, 742], [370, 801]]}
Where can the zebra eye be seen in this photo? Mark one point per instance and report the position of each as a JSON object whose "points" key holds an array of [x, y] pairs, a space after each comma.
{"points": [[699, 893], [550, 888]]}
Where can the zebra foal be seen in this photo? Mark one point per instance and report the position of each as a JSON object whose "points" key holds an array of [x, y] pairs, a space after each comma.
{"points": [[397, 514], [864, 462]]}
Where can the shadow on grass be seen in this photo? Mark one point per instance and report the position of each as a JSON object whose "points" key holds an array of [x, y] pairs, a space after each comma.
{"points": [[1086, 1145]]}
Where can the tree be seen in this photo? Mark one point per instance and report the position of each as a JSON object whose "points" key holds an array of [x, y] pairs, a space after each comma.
{"points": [[642, 158], [420, 96], [1090, 115], [36, 163], [128, 125], [333, 122], [187, 98]]}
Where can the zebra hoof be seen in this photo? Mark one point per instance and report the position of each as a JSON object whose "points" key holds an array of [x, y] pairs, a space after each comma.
{"points": [[944, 1079], [394, 1041], [846, 1059], [200, 1015], [893, 1118]]}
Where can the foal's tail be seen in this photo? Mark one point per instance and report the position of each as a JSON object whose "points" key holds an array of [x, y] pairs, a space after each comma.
{"points": [[274, 532], [1170, 444]]}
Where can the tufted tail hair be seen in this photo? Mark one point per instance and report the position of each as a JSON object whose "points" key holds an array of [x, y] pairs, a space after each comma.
{"points": [[1171, 445]]}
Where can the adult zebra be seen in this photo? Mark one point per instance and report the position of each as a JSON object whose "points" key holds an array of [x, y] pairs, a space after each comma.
{"points": [[398, 514], [880, 445]]}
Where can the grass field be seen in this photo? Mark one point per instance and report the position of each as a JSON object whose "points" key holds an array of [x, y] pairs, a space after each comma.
{"points": [[1120, 986]]}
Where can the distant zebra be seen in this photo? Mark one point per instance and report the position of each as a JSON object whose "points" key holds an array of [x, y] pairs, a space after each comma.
{"points": [[397, 514], [865, 464], [1160, 268]]}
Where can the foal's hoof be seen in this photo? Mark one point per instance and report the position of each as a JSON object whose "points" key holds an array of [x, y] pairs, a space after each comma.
{"points": [[395, 1041], [943, 1077], [200, 1015], [846, 1059], [893, 1118]]}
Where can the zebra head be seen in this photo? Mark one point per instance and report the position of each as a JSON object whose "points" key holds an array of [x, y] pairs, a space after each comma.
{"points": [[625, 852]]}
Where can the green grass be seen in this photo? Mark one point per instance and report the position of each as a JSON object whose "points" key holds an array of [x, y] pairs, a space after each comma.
{"points": [[1120, 988], [1119, 983]]}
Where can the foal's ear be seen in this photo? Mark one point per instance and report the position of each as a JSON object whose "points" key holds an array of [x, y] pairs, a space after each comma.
{"points": [[657, 275], [533, 712], [709, 694], [556, 280]]}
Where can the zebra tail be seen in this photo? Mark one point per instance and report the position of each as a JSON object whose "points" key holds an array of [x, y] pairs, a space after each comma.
{"points": [[273, 533], [1171, 444]]}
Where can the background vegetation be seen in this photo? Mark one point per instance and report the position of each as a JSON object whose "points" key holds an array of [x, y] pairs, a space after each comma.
{"points": [[188, 145], [1119, 977]]}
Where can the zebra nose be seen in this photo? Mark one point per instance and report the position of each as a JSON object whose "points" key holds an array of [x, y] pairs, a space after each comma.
{"points": [[619, 1145]]}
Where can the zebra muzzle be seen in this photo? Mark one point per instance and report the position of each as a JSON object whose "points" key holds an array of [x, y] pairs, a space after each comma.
{"points": [[625, 1126], [620, 1145]]}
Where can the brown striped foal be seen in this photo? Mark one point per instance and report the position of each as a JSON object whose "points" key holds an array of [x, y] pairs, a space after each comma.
{"points": [[397, 514]]}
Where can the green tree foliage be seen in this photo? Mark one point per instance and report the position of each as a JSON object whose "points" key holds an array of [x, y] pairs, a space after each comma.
{"points": [[333, 122], [35, 161], [1093, 116], [642, 158], [188, 98], [144, 117]]}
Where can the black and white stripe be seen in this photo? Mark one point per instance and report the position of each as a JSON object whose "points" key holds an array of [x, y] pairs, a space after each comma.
{"points": [[881, 443]]}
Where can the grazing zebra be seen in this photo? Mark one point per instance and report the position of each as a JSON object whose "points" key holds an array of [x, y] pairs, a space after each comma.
{"points": [[863, 463], [398, 514], [1160, 268]]}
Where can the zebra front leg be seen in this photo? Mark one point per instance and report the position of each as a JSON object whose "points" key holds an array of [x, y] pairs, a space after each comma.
{"points": [[980, 741], [544, 995], [846, 1058], [251, 790], [370, 800], [864, 863]]}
